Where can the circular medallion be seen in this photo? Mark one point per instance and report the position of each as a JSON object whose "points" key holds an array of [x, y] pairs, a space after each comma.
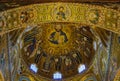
{"points": [[27, 15], [61, 13], [94, 16]]}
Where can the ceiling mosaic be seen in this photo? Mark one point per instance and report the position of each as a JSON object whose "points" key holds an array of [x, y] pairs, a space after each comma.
{"points": [[55, 47], [60, 41]]}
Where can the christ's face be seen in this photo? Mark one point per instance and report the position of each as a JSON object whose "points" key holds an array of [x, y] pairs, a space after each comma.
{"points": [[61, 9], [58, 28]]}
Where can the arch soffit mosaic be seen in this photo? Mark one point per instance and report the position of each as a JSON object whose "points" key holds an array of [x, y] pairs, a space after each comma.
{"points": [[94, 16]]}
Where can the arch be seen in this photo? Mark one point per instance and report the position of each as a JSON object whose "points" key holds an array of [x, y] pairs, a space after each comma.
{"points": [[24, 78], [95, 16]]}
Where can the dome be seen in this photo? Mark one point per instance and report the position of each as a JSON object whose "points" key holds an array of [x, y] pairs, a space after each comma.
{"points": [[61, 47]]}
